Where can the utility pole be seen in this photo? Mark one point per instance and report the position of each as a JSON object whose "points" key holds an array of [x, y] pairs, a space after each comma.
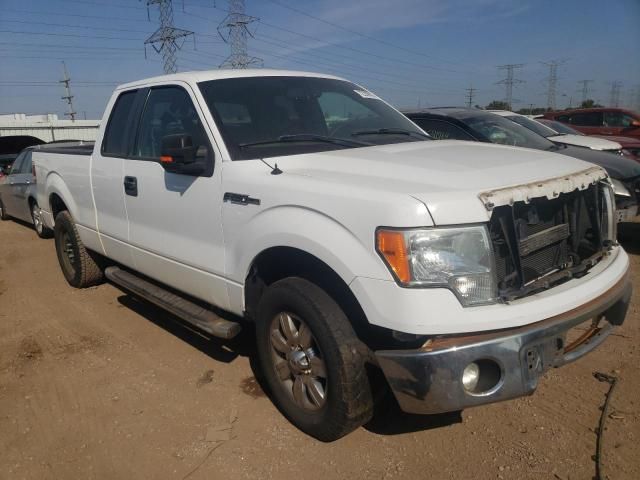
{"points": [[234, 30], [552, 81], [614, 95], [509, 81], [470, 94], [163, 40], [585, 89], [67, 93]]}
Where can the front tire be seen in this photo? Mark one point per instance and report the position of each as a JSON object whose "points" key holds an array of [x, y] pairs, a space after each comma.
{"points": [[312, 361], [77, 264], [38, 224]]}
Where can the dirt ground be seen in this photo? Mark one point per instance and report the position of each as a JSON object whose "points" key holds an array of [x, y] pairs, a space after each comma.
{"points": [[94, 384]]}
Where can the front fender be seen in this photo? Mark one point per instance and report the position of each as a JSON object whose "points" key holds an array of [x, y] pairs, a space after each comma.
{"points": [[307, 230]]}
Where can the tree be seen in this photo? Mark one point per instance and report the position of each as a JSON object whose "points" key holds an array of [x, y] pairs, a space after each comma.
{"points": [[590, 104], [498, 105]]}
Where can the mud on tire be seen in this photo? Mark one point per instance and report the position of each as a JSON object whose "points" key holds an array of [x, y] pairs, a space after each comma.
{"points": [[348, 401], [77, 264]]}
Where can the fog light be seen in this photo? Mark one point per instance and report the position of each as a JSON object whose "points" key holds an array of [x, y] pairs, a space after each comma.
{"points": [[470, 377]]}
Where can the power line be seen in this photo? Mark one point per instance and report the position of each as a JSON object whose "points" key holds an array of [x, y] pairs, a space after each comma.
{"points": [[585, 89], [65, 14], [360, 52], [166, 35], [332, 60], [52, 34], [354, 32], [552, 81], [67, 95], [614, 94], [470, 94], [509, 81], [236, 24]]}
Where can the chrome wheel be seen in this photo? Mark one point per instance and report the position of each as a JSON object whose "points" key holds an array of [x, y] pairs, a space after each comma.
{"points": [[298, 361], [36, 214]]}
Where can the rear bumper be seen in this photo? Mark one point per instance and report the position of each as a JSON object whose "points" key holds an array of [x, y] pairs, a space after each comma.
{"points": [[428, 380]]}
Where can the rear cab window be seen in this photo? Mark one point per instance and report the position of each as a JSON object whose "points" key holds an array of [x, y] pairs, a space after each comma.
{"points": [[442, 130]]}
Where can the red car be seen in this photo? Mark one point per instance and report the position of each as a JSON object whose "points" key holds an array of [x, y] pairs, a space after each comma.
{"points": [[600, 121]]}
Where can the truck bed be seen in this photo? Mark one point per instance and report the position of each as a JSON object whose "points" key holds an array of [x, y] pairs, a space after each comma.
{"points": [[65, 170]]}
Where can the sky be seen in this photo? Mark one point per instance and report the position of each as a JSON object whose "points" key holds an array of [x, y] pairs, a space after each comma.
{"points": [[410, 52]]}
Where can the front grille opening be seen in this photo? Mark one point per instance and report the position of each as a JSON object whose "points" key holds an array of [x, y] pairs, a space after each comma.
{"points": [[548, 241]]}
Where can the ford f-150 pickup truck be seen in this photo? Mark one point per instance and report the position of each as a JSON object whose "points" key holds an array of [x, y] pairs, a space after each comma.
{"points": [[311, 210]]}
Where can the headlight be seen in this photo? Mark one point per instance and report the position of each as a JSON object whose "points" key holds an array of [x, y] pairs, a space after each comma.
{"points": [[456, 258], [619, 189]]}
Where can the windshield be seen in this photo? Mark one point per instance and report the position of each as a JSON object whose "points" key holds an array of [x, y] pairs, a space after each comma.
{"points": [[497, 129], [533, 126], [261, 117], [560, 127]]}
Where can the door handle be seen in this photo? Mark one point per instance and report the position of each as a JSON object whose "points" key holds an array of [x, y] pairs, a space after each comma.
{"points": [[131, 186]]}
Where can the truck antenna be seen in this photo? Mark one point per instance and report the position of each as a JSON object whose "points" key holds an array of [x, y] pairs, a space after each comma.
{"points": [[274, 170]]}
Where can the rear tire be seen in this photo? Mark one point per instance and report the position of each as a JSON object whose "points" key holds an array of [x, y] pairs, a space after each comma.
{"points": [[38, 224], [77, 264], [3, 212], [312, 361]]}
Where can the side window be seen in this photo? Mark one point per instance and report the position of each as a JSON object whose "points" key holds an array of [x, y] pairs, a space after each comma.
{"points": [[115, 136], [587, 119], [169, 111], [442, 130], [563, 118], [17, 163], [26, 163], [617, 119]]}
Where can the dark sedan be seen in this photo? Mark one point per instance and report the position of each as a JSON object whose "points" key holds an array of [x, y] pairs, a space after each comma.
{"points": [[480, 126]]}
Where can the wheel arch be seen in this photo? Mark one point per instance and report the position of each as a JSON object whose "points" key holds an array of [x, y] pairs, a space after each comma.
{"points": [[279, 262]]}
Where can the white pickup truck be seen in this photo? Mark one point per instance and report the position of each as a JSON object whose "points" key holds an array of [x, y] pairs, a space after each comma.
{"points": [[320, 216]]}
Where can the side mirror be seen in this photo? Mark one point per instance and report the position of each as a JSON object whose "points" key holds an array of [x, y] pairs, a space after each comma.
{"points": [[179, 155]]}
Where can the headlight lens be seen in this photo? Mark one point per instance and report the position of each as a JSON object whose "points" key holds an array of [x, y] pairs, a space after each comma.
{"points": [[619, 189], [456, 258]]}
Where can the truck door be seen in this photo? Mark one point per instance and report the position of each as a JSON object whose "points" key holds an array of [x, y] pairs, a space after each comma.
{"points": [[175, 227], [107, 170]]}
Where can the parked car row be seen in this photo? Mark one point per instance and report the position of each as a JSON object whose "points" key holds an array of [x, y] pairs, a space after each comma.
{"points": [[506, 128], [18, 189], [364, 255]]}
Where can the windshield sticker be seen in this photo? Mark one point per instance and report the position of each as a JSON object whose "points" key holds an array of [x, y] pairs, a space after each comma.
{"points": [[367, 94]]}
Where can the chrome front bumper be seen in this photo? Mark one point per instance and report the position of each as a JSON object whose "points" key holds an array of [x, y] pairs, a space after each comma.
{"points": [[428, 380]]}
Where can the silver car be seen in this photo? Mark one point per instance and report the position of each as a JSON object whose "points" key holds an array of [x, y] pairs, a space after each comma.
{"points": [[18, 194]]}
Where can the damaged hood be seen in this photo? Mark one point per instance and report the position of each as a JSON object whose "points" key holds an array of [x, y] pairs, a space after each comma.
{"points": [[452, 178]]}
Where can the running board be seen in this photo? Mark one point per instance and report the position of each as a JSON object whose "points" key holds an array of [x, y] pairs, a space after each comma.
{"points": [[188, 311]]}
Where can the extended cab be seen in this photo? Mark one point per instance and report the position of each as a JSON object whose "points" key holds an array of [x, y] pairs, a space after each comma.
{"points": [[310, 208]]}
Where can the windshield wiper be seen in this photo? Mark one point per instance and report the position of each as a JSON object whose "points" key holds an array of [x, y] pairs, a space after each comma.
{"points": [[307, 137], [390, 131]]}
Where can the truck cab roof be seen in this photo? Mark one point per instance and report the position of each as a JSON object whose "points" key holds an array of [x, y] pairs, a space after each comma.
{"points": [[218, 74]]}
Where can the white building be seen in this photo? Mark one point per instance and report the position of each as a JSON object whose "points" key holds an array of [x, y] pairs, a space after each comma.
{"points": [[48, 127]]}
